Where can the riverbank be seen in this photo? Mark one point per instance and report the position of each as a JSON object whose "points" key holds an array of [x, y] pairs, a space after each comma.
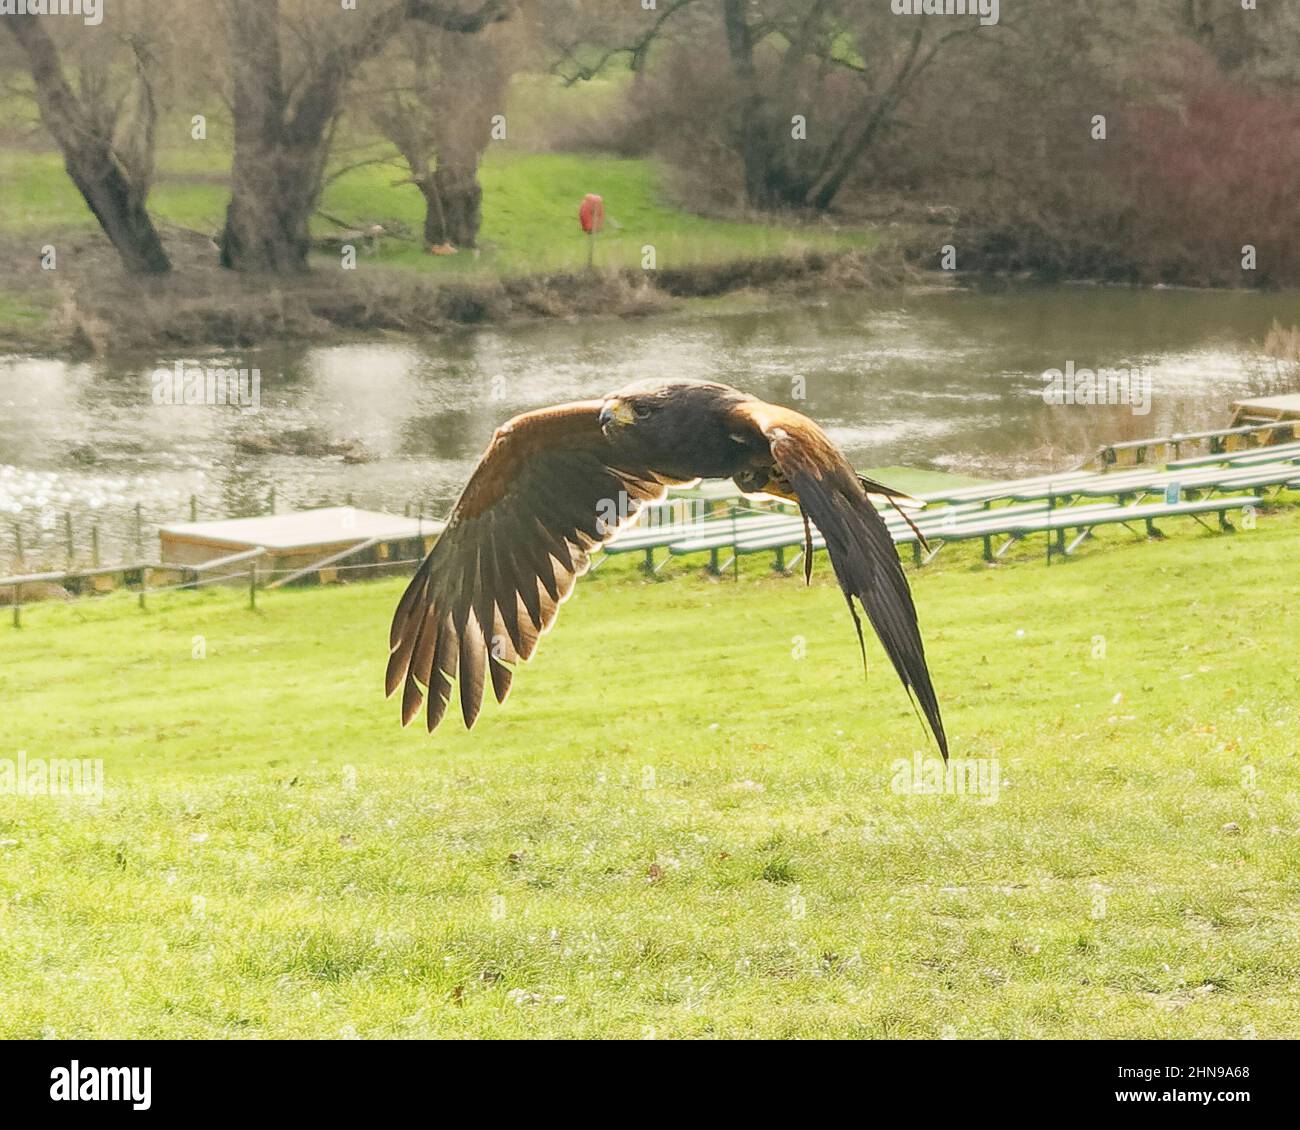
{"points": [[531, 262], [629, 848], [106, 312]]}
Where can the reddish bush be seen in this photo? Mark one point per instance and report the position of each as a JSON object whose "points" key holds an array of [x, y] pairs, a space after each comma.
{"points": [[1208, 170]]}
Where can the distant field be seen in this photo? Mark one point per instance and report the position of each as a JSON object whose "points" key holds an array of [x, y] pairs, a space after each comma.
{"points": [[682, 824], [530, 198], [530, 208]]}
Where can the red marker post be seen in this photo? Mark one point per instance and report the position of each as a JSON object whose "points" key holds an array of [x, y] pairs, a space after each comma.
{"points": [[591, 215]]}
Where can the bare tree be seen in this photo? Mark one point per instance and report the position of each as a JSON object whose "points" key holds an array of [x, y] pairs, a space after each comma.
{"points": [[106, 136], [844, 68], [437, 113], [285, 111]]}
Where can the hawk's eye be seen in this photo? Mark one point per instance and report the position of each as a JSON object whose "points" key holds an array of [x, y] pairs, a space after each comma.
{"points": [[641, 411]]}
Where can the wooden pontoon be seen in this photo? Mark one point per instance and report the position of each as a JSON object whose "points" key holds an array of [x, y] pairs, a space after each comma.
{"points": [[300, 539], [1268, 410]]}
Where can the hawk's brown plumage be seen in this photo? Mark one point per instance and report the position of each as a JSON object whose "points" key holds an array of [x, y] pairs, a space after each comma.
{"points": [[556, 483]]}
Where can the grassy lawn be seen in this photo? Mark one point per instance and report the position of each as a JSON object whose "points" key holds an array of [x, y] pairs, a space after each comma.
{"points": [[530, 210], [530, 199], [682, 824], [18, 314], [530, 218]]}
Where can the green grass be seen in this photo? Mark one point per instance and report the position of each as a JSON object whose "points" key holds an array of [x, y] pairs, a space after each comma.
{"points": [[530, 208], [530, 217], [18, 315], [675, 826], [919, 480]]}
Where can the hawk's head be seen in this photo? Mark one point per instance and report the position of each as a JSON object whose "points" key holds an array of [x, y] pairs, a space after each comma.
{"points": [[675, 424]]}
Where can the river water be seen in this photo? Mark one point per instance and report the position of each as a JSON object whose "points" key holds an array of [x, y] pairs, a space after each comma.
{"points": [[947, 380]]}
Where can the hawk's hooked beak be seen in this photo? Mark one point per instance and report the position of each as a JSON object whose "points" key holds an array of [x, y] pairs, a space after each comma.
{"points": [[615, 412]]}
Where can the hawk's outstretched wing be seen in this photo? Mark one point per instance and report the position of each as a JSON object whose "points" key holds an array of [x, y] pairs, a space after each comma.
{"points": [[543, 495], [861, 550]]}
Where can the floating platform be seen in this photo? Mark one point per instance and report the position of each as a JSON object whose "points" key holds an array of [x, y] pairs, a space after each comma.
{"points": [[1266, 410], [301, 538]]}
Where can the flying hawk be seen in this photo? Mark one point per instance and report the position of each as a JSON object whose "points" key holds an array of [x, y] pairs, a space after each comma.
{"points": [[556, 483]]}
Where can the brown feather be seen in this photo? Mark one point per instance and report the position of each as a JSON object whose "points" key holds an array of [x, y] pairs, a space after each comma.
{"points": [[412, 697], [444, 668], [501, 678], [473, 663]]}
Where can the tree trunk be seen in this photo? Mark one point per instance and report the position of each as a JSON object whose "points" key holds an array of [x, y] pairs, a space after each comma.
{"points": [[434, 228], [461, 197], [769, 182], [274, 179], [274, 190], [117, 206], [823, 192], [755, 153], [112, 192]]}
